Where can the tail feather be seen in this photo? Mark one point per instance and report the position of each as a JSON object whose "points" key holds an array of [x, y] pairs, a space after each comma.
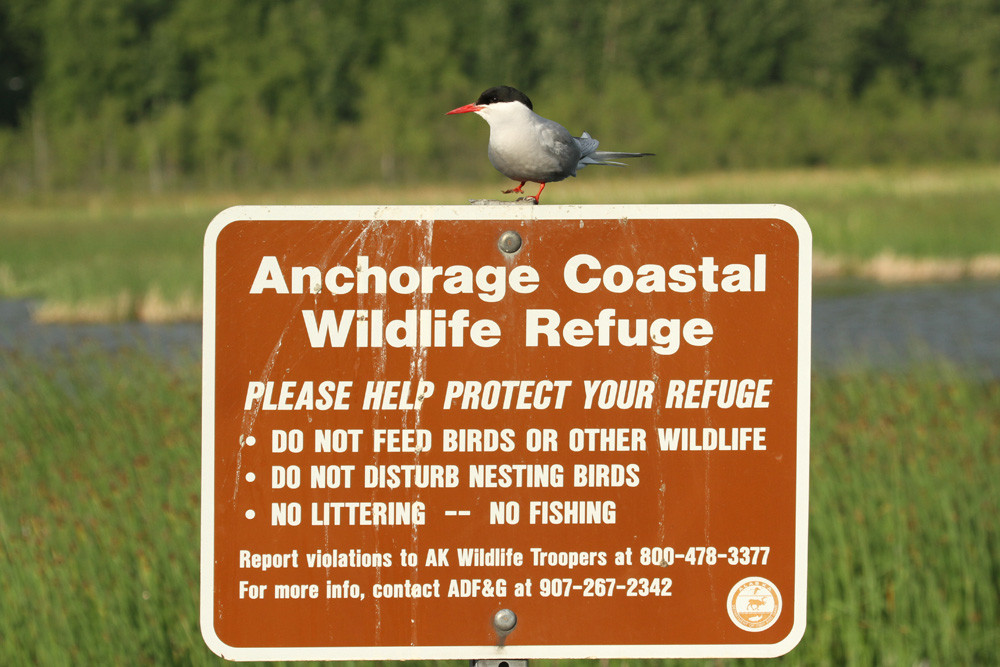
{"points": [[591, 159], [616, 155], [590, 154], [602, 157]]}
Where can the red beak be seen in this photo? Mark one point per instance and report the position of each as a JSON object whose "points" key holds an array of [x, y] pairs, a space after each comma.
{"points": [[466, 109]]}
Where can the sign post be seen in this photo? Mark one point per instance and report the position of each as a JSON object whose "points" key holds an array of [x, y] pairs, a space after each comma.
{"points": [[505, 432]]}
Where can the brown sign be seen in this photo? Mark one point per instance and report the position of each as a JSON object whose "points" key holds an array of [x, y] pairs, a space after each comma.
{"points": [[595, 418]]}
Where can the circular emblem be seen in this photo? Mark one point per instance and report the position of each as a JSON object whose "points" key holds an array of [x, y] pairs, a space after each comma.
{"points": [[754, 604]]}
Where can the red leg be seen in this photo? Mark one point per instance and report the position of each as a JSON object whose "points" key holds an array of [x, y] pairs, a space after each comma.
{"points": [[517, 189], [538, 196]]}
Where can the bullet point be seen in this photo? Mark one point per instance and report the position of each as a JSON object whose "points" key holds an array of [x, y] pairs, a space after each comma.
{"points": [[251, 514], [251, 477], [250, 441]]}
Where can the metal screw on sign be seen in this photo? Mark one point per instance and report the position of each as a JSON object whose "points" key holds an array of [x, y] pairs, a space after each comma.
{"points": [[510, 242], [504, 622]]}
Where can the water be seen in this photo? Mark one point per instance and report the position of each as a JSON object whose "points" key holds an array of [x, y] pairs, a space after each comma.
{"points": [[20, 334], [883, 330], [895, 328]]}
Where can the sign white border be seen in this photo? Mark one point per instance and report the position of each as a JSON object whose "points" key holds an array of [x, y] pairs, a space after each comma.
{"points": [[512, 213]]}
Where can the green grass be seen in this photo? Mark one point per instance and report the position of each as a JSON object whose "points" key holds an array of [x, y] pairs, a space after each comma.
{"points": [[107, 260], [120, 258], [905, 502], [98, 512], [99, 516]]}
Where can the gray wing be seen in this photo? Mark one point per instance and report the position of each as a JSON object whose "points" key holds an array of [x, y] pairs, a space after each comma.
{"points": [[562, 147]]}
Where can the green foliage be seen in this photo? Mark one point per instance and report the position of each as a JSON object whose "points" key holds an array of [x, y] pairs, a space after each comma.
{"points": [[155, 94]]}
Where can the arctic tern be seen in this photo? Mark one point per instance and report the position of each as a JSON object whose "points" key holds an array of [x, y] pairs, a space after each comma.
{"points": [[526, 147]]}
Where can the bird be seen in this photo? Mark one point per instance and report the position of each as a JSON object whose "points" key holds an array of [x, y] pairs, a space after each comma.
{"points": [[526, 147]]}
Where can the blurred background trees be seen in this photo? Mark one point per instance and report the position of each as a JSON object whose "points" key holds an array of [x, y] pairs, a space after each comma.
{"points": [[166, 94]]}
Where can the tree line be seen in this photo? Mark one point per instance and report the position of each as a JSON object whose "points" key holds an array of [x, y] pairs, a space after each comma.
{"points": [[162, 94]]}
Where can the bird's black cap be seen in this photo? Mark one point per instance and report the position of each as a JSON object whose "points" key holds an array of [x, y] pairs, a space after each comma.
{"points": [[503, 94]]}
